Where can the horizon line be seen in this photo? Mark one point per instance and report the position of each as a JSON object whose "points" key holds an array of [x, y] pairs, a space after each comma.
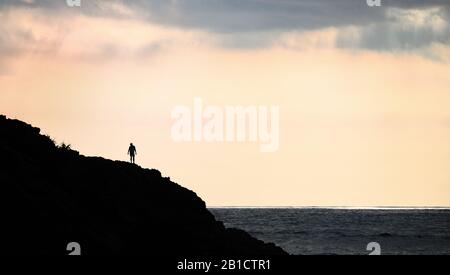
{"points": [[337, 207]]}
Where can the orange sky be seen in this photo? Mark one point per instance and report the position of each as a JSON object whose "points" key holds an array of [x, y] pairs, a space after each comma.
{"points": [[357, 127]]}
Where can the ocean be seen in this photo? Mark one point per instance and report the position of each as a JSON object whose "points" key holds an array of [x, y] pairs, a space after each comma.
{"points": [[342, 231]]}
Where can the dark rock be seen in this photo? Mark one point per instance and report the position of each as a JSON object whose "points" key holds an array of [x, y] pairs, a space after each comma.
{"points": [[55, 197]]}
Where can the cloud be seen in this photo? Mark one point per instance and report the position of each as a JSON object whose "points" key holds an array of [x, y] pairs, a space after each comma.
{"points": [[98, 8], [240, 15], [404, 30], [398, 25], [236, 16], [23, 31], [39, 31], [3, 69], [402, 25], [152, 48]]}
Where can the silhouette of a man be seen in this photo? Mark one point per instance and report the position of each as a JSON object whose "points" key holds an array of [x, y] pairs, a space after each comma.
{"points": [[132, 152]]}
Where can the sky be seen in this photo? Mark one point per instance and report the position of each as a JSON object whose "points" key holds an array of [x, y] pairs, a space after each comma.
{"points": [[363, 92]]}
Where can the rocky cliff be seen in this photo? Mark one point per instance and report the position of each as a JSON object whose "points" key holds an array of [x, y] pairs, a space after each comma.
{"points": [[54, 196]]}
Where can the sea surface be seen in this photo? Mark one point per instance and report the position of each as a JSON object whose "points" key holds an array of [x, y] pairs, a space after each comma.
{"points": [[315, 231]]}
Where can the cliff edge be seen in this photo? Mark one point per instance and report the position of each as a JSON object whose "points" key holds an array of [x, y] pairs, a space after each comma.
{"points": [[54, 196]]}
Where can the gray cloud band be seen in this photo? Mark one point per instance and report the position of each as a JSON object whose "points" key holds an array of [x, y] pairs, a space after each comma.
{"points": [[256, 23]]}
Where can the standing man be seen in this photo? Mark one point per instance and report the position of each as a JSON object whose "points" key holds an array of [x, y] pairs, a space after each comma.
{"points": [[132, 152]]}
